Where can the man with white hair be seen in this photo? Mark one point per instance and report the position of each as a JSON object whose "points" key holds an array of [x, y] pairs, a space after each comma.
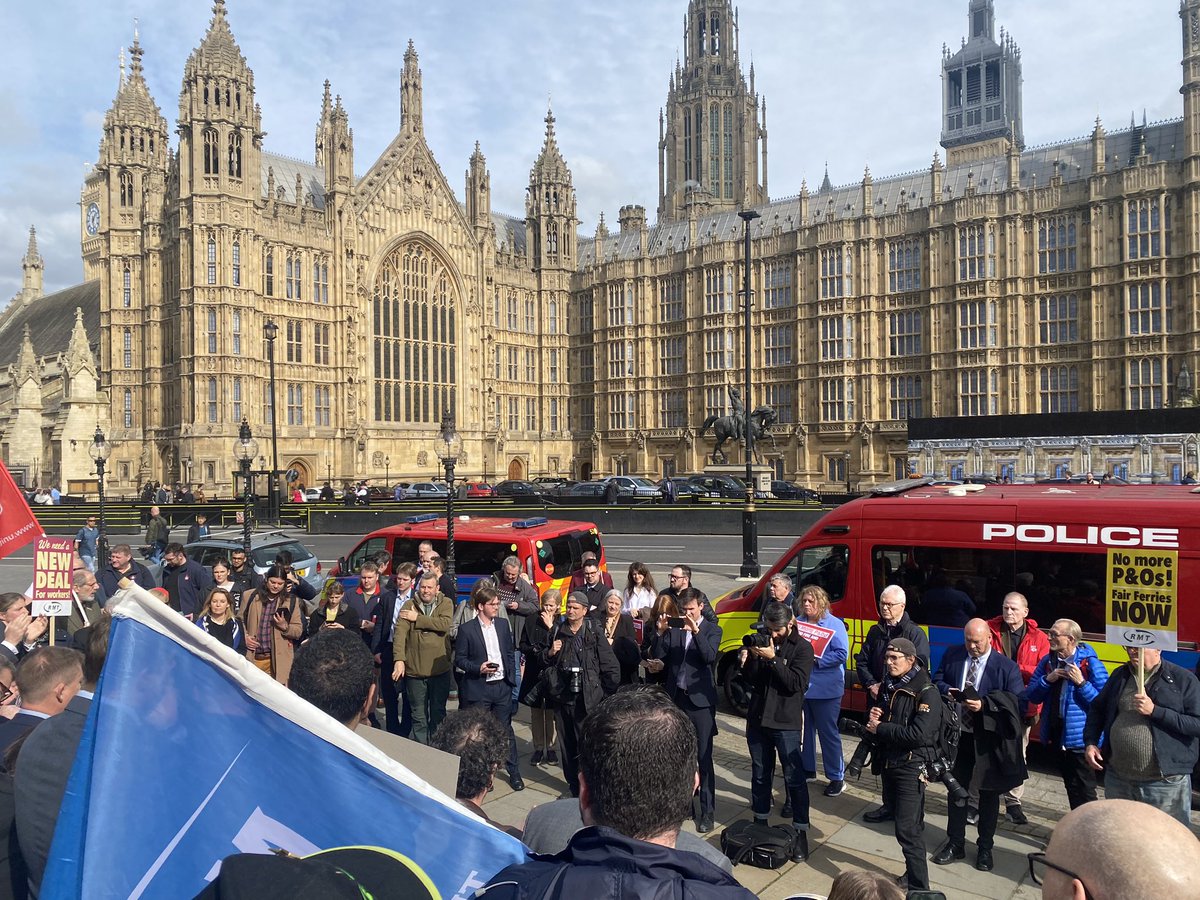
{"points": [[893, 623], [1117, 850]]}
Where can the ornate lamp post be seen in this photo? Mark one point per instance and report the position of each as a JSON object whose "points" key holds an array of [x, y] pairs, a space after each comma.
{"points": [[244, 449], [846, 458], [271, 330], [750, 568], [387, 472], [99, 450], [449, 445]]}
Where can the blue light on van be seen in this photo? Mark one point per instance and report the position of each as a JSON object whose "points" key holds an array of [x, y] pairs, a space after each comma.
{"points": [[531, 523], [417, 520]]}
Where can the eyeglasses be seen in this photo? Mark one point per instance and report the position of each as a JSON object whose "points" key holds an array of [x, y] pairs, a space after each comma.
{"points": [[674, 577], [1037, 871], [894, 657]]}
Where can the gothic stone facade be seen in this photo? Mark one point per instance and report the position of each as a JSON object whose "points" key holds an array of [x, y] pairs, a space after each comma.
{"points": [[1005, 280]]}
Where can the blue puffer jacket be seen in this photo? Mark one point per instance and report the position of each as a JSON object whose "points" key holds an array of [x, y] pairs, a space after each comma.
{"points": [[601, 864], [828, 679], [1073, 702]]}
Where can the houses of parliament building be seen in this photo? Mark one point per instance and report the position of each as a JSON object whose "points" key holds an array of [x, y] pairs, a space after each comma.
{"points": [[1001, 280]]}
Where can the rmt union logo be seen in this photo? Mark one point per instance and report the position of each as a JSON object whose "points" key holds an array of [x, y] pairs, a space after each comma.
{"points": [[1136, 638]]}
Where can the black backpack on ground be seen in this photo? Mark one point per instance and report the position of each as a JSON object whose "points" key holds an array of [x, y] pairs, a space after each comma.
{"points": [[762, 846]]}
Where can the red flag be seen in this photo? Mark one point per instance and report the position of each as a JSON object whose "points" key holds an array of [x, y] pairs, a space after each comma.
{"points": [[17, 523]]}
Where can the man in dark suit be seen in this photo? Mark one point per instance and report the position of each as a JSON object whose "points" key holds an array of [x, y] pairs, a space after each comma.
{"points": [[689, 653], [45, 759], [390, 601], [483, 650], [967, 675], [46, 679]]}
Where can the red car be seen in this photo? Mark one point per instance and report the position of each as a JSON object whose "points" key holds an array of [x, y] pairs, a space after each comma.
{"points": [[477, 489]]}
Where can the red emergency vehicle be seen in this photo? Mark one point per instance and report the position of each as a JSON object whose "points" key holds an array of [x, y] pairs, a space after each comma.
{"points": [[978, 542]]}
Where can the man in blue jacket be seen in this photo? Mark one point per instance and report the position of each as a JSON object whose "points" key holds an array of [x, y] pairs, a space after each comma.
{"points": [[1067, 681], [1147, 738], [187, 582], [968, 673], [637, 761]]}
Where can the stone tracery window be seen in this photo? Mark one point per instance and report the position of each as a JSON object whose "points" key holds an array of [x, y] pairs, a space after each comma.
{"points": [[414, 311]]}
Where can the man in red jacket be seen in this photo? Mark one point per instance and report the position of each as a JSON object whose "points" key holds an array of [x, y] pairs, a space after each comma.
{"points": [[1018, 637]]}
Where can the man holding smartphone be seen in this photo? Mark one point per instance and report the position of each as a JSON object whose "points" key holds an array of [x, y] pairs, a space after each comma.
{"points": [[687, 645], [483, 650]]}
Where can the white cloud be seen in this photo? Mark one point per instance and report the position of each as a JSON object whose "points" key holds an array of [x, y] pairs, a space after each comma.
{"points": [[852, 83]]}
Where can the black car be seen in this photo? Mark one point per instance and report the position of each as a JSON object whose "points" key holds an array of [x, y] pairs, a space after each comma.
{"points": [[785, 490], [718, 486], [514, 488], [583, 489], [684, 489]]}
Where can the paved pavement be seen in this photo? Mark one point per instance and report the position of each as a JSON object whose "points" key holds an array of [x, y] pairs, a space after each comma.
{"points": [[839, 839]]}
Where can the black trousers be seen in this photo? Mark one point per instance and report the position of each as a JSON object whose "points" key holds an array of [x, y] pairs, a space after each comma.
{"points": [[570, 720], [497, 699], [903, 785], [391, 693], [989, 801], [704, 719], [1079, 780]]}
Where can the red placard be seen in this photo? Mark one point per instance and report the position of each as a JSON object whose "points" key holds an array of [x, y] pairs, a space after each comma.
{"points": [[17, 523], [816, 635]]}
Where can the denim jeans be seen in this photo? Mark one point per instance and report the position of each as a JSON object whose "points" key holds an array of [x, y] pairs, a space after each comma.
{"points": [[820, 719], [1171, 793], [763, 744]]}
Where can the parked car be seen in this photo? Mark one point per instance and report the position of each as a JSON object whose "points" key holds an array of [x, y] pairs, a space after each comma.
{"points": [[426, 490], [785, 490], [628, 486], [718, 486], [516, 488], [685, 491], [263, 549], [479, 489], [582, 489]]}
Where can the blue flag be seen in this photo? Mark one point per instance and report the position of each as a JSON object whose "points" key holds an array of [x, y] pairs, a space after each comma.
{"points": [[191, 754]]}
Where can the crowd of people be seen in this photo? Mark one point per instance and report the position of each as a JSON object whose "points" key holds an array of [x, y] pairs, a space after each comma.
{"points": [[622, 695]]}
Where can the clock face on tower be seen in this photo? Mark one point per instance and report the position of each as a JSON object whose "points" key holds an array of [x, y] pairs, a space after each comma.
{"points": [[93, 218]]}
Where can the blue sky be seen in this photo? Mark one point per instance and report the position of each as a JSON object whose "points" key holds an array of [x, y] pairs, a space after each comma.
{"points": [[854, 82]]}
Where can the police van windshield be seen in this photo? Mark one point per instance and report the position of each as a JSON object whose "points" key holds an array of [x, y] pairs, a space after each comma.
{"points": [[825, 566]]}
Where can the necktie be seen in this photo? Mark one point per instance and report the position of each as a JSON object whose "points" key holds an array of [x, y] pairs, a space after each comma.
{"points": [[972, 674]]}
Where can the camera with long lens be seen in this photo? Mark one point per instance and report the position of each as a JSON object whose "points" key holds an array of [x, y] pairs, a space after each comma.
{"points": [[760, 636], [940, 770], [861, 757], [574, 679]]}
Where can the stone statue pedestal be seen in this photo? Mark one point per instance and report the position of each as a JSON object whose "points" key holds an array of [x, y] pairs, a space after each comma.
{"points": [[763, 475]]}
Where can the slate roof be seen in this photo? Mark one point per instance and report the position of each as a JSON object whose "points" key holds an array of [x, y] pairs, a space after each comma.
{"points": [[1164, 141], [286, 169], [51, 320]]}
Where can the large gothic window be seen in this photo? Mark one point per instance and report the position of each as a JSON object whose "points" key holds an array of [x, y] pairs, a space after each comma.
{"points": [[212, 152], [235, 155], [414, 309]]}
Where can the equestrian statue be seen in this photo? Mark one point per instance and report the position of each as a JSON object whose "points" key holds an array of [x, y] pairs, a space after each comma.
{"points": [[734, 426]]}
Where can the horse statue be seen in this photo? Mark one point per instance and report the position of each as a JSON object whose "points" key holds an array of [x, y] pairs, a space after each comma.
{"points": [[726, 427]]}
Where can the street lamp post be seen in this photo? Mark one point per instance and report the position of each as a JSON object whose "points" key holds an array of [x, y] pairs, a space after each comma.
{"points": [[750, 568], [846, 457], [271, 330], [99, 451], [387, 472], [244, 449], [449, 445]]}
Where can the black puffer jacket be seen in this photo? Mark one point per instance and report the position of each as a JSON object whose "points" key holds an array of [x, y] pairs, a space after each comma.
{"points": [[911, 725], [869, 661], [589, 650]]}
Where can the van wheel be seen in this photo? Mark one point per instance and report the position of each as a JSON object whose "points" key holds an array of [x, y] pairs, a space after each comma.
{"points": [[737, 691]]}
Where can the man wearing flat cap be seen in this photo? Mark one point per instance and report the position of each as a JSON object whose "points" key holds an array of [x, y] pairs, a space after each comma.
{"points": [[905, 719]]}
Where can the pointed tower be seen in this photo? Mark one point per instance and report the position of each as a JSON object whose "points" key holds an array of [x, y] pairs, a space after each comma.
{"points": [[335, 152], [709, 151], [550, 207], [33, 268], [220, 126], [479, 194], [981, 91], [410, 93], [1189, 14], [23, 434]]}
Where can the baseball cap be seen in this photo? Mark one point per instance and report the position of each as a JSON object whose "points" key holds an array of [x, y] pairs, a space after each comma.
{"points": [[903, 645]]}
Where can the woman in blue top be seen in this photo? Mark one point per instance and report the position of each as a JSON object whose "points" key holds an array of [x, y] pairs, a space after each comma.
{"points": [[823, 699]]}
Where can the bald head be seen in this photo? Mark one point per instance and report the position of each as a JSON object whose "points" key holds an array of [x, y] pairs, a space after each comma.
{"points": [[1121, 849], [977, 637]]}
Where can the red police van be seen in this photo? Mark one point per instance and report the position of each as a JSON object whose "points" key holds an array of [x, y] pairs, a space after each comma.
{"points": [[549, 550], [1049, 542]]}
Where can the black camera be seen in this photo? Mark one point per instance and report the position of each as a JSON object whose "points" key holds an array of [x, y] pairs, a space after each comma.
{"points": [[939, 770], [574, 679], [861, 757], [760, 636]]}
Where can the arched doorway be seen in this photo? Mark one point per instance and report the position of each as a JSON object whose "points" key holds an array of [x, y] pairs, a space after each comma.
{"points": [[585, 472], [516, 470], [304, 473]]}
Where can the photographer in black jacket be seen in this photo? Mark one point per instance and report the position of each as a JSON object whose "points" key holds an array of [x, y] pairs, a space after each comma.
{"points": [[777, 663], [905, 720]]}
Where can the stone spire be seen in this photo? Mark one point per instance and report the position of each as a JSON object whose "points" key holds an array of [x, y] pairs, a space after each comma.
{"points": [[79, 352], [410, 93], [26, 365], [34, 267]]}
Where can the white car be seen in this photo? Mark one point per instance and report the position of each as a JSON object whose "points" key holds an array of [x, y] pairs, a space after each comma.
{"points": [[425, 490]]}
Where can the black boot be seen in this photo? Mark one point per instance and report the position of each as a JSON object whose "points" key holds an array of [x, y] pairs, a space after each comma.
{"points": [[800, 851]]}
